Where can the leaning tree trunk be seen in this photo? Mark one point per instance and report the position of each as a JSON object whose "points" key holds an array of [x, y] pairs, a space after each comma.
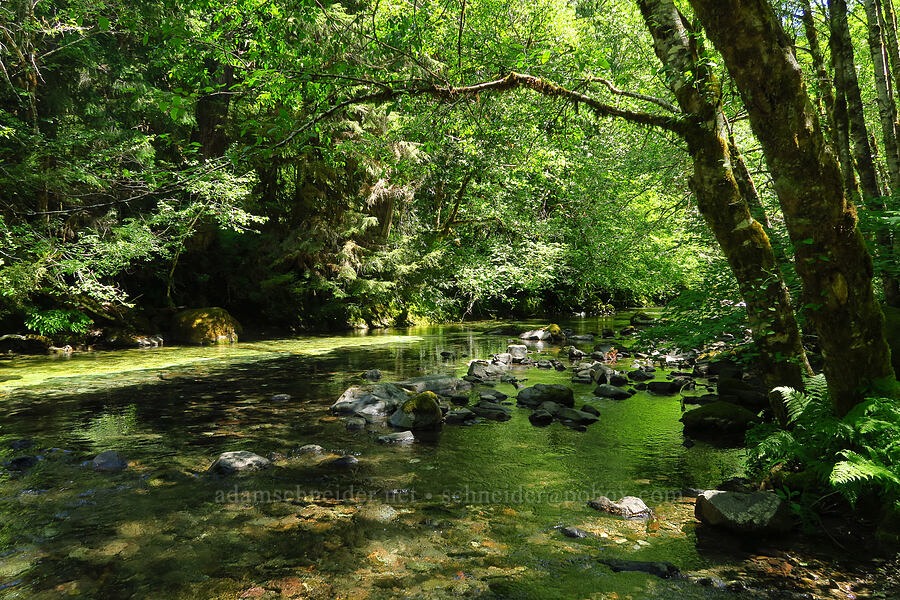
{"points": [[830, 253], [723, 202]]}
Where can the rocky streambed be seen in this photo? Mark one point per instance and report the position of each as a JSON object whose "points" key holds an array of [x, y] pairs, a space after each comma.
{"points": [[443, 463]]}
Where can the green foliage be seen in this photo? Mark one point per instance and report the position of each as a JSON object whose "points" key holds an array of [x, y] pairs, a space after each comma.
{"points": [[854, 455], [53, 321]]}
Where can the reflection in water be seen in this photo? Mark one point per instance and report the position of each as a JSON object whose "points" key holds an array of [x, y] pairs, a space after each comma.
{"points": [[470, 513]]}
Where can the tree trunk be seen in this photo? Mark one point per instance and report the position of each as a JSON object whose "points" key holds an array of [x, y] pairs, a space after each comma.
{"points": [[211, 113], [887, 112], [723, 202], [830, 253], [823, 88], [893, 47], [842, 62]]}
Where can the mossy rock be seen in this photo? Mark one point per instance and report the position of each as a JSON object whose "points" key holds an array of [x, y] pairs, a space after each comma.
{"points": [[205, 326], [555, 332], [892, 329], [718, 419], [422, 411]]}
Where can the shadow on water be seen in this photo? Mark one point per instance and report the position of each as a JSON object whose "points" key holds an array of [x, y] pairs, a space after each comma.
{"points": [[473, 512]]}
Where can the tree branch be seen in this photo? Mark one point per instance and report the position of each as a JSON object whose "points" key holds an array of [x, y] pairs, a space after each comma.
{"points": [[657, 101]]}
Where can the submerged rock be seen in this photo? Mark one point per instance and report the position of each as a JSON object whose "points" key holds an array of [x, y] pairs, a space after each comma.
{"points": [[444, 385], [575, 532], [747, 513], [400, 437], [629, 507], [313, 449], [576, 416], [492, 411], [205, 326], [482, 369], [370, 402], [110, 461], [372, 375], [22, 463], [356, 424], [459, 416], [344, 462], [663, 570], [240, 461]]}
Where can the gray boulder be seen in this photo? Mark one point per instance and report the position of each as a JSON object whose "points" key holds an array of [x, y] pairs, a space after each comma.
{"points": [[518, 352], [756, 513], [110, 461], [640, 375], [372, 375], [629, 507], [239, 461], [485, 370], [544, 392], [540, 418], [459, 416], [492, 411], [444, 385], [370, 402], [576, 416], [536, 335]]}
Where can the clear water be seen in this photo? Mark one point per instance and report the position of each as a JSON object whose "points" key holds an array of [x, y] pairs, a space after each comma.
{"points": [[472, 513]]}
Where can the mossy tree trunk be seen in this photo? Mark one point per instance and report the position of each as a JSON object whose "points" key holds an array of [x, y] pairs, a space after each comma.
{"points": [[830, 253], [724, 190]]}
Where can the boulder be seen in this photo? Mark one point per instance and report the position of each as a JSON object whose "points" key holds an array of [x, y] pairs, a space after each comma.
{"points": [[610, 391], [755, 513], [400, 437], [640, 375], [535, 335], [482, 369], [420, 412], [110, 461], [518, 352], [371, 402], [205, 326], [587, 408], [492, 411], [740, 392], [504, 358], [459, 416], [239, 461], [584, 337], [345, 462], [313, 449], [618, 380], [443, 385], [641, 319], [24, 344], [576, 416], [544, 364], [664, 388], [575, 353], [629, 507], [543, 392], [717, 419], [540, 418]]}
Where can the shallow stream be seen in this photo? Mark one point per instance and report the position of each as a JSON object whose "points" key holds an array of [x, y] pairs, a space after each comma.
{"points": [[475, 512]]}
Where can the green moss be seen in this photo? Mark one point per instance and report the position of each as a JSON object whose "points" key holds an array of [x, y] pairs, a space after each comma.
{"points": [[205, 326]]}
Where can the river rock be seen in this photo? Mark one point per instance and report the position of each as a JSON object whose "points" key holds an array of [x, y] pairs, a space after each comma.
{"points": [[205, 326], [540, 418], [400, 437], [575, 353], [21, 444], [22, 463], [740, 392], [610, 391], [313, 449], [371, 402], [110, 461], [641, 319], [664, 388], [746, 513], [575, 532], [629, 507], [382, 513], [372, 375], [421, 412], [240, 461], [576, 416], [536, 335], [492, 411], [544, 392], [717, 419], [443, 385], [344, 462], [459, 416], [518, 352], [640, 375], [482, 369], [356, 424], [24, 344], [587, 408], [280, 398], [618, 380], [583, 337], [663, 570]]}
